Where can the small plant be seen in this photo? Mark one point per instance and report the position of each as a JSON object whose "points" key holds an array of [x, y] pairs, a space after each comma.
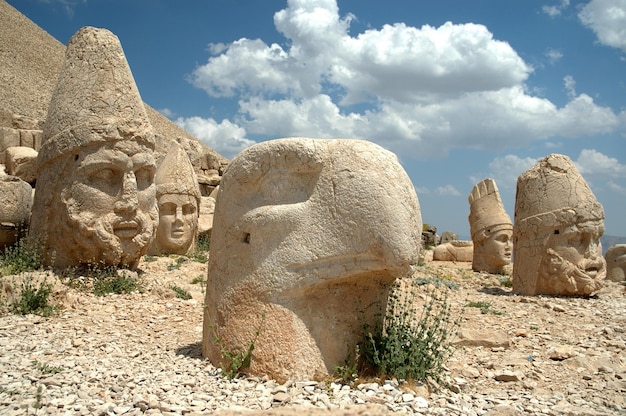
{"points": [[410, 344], [37, 404], [175, 266], [437, 281], [109, 280], [199, 280], [203, 243], [148, 258], [348, 372], [233, 362], [20, 258], [45, 368], [180, 292], [485, 307], [33, 299], [505, 282]]}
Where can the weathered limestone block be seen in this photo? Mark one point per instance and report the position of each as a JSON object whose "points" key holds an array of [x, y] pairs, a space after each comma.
{"points": [[16, 201], [459, 250], [96, 198], [205, 220], [22, 162], [308, 237], [8, 138], [616, 263], [557, 230], [31, 138], [491, 229], [178, 197]]}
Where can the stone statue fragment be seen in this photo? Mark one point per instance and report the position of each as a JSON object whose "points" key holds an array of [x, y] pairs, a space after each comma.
{"points": [[556, 236], [490, 227], [616, 263], [16, 201], [95, 201], [178, 197], [308, 236], [456, 250]]}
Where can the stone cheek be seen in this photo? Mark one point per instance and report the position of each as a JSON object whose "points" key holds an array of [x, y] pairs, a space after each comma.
{"points": [[308, 235], [16, 200], [616, 263]]}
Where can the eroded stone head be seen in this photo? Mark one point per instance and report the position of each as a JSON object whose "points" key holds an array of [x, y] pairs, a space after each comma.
{"points": [[558, 225], [308, 235], [491, 228], [95, 200]]}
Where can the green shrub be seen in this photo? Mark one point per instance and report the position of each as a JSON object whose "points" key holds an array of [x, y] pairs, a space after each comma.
{"points": [[485, 307], [411, 344], [20, 258], [180, 292], [33, 300], [110, 280]]}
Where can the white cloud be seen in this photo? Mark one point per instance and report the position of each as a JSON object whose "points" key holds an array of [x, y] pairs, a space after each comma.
{"points": [[506, 169], [616, 188], [607, 18], [570, 86], [447, 190], [553, 55], [420, 91], [592, 162], [226, 138], [553, 11]]}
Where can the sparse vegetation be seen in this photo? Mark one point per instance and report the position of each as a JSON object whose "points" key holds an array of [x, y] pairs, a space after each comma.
{"points": [[45, 368], [506, 282], [485, 307], [33, 299], [111, 280], [20, 258], [176, 265], [180, 292], [199, 280], [411, 344]]}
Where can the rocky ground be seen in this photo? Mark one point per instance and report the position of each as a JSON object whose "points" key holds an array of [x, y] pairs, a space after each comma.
{"points": [[140, 353]]}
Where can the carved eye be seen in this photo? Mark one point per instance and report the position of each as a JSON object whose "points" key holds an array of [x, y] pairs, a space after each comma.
{"points": [[144, 177], [167, 208], [189, 209]]}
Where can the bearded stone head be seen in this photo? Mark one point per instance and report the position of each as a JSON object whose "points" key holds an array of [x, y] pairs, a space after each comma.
{"points": [[95, 201], [558, 225]]}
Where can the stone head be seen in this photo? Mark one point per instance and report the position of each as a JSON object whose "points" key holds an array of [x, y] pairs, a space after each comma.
{"points": [[310, 233], [616, 263], [95, 201], [178, 196], [491, 228], [558, 225]]}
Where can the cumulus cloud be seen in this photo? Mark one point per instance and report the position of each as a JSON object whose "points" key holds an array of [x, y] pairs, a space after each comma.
{"points": [[607, 18], [416, 91], [506, 169], [226, 138], [592, 162], [553, 55]]}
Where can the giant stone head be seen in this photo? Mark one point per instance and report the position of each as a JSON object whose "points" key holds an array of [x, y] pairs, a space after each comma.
{"points": [[556, 236], [308, 236], [95, 199]]}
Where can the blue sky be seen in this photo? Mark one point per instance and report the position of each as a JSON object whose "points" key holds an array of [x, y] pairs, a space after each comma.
{"points": [[459, 90]]}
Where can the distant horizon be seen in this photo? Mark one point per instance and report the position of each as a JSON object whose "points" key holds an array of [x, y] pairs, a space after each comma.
{"points": [[460, 91]]}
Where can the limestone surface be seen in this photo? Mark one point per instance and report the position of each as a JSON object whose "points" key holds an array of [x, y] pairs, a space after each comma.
{"points": [[616, 263], [95, 201], [308, 236], [558, 225], [491, 228]]}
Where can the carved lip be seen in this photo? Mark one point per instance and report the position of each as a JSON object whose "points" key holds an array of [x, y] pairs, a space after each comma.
{"points": [[126, 229], [339, 266]]}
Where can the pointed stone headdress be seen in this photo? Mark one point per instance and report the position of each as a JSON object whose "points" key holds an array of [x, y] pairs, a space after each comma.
{"points": [[95, 99], [175, 175], [552, 193], [487, 213]]}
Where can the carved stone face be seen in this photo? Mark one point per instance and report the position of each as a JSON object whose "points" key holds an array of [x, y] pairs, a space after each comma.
{"points": [[178, 223], [109, 204], [573, 259], [497, 248]]}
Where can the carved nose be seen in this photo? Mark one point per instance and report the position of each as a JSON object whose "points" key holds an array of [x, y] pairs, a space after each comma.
{"points": [[127, 201]]}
